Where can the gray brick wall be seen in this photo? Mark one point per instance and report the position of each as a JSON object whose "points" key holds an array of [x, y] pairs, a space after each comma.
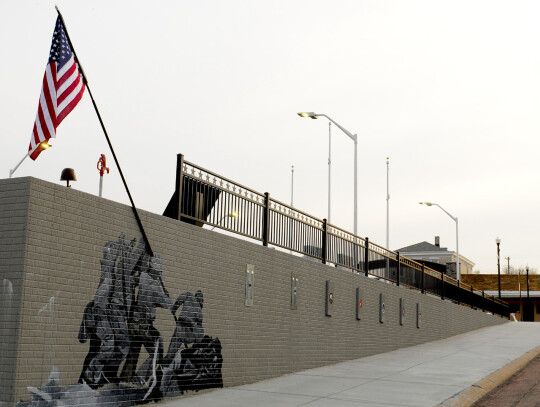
{"points": [[14, 195], [53, 237]]}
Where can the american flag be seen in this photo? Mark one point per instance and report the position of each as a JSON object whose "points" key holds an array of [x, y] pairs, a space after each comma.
{"points": [[62, 89]]}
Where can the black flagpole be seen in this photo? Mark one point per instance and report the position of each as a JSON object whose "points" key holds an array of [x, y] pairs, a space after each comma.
{"points": [[148, 248]]}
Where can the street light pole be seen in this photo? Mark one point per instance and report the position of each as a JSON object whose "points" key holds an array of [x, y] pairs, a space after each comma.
{"points": [[355, 184], [354, 137], [291, 224], [329, 167], [388, 213], [454, 218], [520, 303], [388, 203], [498, 241], [292, 185]]}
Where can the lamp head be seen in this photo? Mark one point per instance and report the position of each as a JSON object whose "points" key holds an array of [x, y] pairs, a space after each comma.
{"points": [[498, 240], [426, 203], [308, 114]]}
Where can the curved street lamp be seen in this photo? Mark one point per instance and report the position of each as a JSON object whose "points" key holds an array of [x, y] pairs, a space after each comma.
{"points": [[354, 138], [454, 218]]}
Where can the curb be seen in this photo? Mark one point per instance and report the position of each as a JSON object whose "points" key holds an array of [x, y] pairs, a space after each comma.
{"points": [[469, 396]]}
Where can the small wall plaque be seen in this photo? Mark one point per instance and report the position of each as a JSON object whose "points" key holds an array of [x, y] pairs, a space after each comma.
{"points": [[402, 311], [359, 303], [382, 307], [294, 290], [250, 277], [329, 297]]}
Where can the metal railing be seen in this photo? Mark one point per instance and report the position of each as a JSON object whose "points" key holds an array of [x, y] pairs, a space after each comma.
{"points": [[204, 197]]}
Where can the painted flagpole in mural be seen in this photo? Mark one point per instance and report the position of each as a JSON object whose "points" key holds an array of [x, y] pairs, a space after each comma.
{"points": [[85, 80]]}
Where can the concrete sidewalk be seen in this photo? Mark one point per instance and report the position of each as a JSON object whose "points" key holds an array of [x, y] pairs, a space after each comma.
{"points": [[452, 372]]}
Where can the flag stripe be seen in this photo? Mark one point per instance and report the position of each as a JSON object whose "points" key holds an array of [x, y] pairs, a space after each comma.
{"points": [[40, 136], [35, 139], [47, 103], [67, 77], [45, 129], [51, 82], [68, 66], [68, 88], [66, 106], [61, 90], [77, 97]]}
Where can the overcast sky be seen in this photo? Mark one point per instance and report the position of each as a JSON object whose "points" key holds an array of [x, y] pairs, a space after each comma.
{"points": [[449, 90]]}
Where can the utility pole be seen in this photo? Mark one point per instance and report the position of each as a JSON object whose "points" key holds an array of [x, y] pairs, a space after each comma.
{"points": [[292, 185], [291, 222], [498, 241], [520, 302], [388, 214], [329, 166]]}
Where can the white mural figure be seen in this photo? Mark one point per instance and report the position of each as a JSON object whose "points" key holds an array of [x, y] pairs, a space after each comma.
{"points": [[47, 324]]}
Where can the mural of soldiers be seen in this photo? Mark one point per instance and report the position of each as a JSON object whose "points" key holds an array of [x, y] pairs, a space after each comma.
{"points": [[189, 327], [117, 326], [194, 368], [111, 305], [87, 331], [152, 294]]}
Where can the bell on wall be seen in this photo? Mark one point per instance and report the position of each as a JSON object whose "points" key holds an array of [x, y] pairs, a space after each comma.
{"points": [[68, 174]]}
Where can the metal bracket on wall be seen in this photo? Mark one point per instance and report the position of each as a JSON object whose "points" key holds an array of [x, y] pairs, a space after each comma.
{"points": [[329, 297], [382, 307], [294, 290], [359, 303], [250, 276], [402, 311]]}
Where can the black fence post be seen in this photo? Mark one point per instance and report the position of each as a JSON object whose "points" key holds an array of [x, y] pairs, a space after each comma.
{"points": [[179, 182], [442, 286], [266, 219], [398, 269], [366, 257], [494, 308], [324, 241], [483, 301], [423, 274]]}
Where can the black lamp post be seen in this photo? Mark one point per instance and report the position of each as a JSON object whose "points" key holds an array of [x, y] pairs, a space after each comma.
{"points": [[498, 241]]}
